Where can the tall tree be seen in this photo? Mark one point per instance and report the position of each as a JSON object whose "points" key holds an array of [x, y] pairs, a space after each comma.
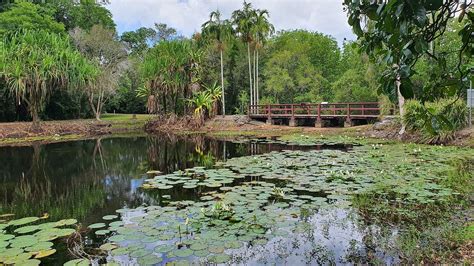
{"points": [[244, 20], [399, 33], [167, 71], [138, 41], [34, 63], [219, 31], [262, 30], [164, 32], [25, 15], [100, 46]]}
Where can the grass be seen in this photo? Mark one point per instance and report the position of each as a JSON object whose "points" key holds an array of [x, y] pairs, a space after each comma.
{"points": [[120, 123], [126, 117], [8, 141], [432, 232]]}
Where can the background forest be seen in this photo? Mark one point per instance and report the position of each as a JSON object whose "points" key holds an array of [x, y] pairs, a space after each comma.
{"points": [[156, 70]]}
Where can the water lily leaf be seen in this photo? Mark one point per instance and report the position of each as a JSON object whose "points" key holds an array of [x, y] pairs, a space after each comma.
{"points": [[216, 249], [120, 251], [219, 258], [23, 241], [96, 226], [110, 217], [6, 237], [149, 260], [117, 238], [233, 244], [11, 252], [78, 262], [27, 229], [39, 246], [33, 262], [140, 253], [183, 253], [102, 232], [65, 222], [164, 248], [23, 221], [45, 253], [108, 246], [198, 246]]}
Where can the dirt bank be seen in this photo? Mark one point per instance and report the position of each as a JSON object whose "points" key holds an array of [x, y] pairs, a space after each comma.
{"points": [[20, 133]]}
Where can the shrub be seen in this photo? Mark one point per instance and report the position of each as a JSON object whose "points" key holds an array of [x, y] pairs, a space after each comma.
{"points": [[436, 121], [387, 107]]}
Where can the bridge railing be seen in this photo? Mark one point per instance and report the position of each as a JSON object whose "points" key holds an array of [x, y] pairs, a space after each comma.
{"points": [[360, 109]]}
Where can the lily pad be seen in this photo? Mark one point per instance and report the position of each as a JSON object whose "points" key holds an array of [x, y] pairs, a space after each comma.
{"points": [[78, 262], [45, 253], [183, 253], [219, 258], [108, 246], [23, 221], [97, 226], [110, 217]]}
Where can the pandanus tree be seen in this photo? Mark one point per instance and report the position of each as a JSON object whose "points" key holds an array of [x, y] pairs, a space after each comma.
{"points": [[218, 31], [167, 70], [33, 63], [244, 20], [201, 101], [215, 92], [262, 29]]}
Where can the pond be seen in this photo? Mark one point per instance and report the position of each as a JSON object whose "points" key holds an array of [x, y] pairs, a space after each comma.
{"points": [[165, 199]]}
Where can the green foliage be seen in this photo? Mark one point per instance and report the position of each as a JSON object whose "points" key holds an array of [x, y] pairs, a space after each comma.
{"points": [[437, 121], [83, 14], [321, 50], [100, 46], [170, 70], [28, 16], [399, 33], [290, 77], [36, 63], [137, 41]]}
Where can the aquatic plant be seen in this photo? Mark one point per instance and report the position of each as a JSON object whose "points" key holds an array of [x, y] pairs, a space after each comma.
{"points": [[26, 240]]}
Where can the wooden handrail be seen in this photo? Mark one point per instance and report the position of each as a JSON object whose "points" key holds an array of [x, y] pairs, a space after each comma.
{"points": [[316, 109]]}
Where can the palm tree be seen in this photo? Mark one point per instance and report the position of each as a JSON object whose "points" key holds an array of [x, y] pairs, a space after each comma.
{"points": [[262, 30], [244, 21], [219, 31]]}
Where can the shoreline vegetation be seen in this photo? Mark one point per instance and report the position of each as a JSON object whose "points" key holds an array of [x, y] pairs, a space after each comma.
{"points": [[229, 127]]}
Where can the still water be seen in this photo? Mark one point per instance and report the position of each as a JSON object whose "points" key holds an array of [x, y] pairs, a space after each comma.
{"points": [[88, 179]]}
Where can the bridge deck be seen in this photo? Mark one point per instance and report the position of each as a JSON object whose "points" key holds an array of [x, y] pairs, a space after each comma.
{"points": [[347, 111]]}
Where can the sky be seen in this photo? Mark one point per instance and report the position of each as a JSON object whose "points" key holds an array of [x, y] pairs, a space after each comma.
{"points": [[187, 16]]}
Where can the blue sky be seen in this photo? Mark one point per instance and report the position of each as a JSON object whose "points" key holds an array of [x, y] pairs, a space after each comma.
{"points": [[186, 16]]}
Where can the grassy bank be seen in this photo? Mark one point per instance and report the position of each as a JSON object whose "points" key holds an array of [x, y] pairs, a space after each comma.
{"points": [[19, 133]]}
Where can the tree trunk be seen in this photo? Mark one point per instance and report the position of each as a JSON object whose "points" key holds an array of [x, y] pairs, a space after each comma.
{"points": [[401, 103], [222, 84], [35, 126], [250, 73], [164, 103], [255, 74], [256, 77]]}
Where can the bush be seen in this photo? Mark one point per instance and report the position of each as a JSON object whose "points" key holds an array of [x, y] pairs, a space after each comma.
{"points": [[436, 121]]}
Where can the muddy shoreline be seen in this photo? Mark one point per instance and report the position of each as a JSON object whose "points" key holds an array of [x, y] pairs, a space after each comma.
{"points": [[20, 133]]}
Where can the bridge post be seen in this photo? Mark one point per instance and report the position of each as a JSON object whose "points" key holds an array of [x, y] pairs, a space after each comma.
{"points": [[292, 122], [318, 123], [292, 119], [348, 122], [269, 114]]}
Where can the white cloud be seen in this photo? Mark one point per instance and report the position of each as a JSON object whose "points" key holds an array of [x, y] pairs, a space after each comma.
{"points": [[325, 16]]}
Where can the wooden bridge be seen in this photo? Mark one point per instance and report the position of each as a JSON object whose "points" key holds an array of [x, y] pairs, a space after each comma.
{"points": [[316, 114]]}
